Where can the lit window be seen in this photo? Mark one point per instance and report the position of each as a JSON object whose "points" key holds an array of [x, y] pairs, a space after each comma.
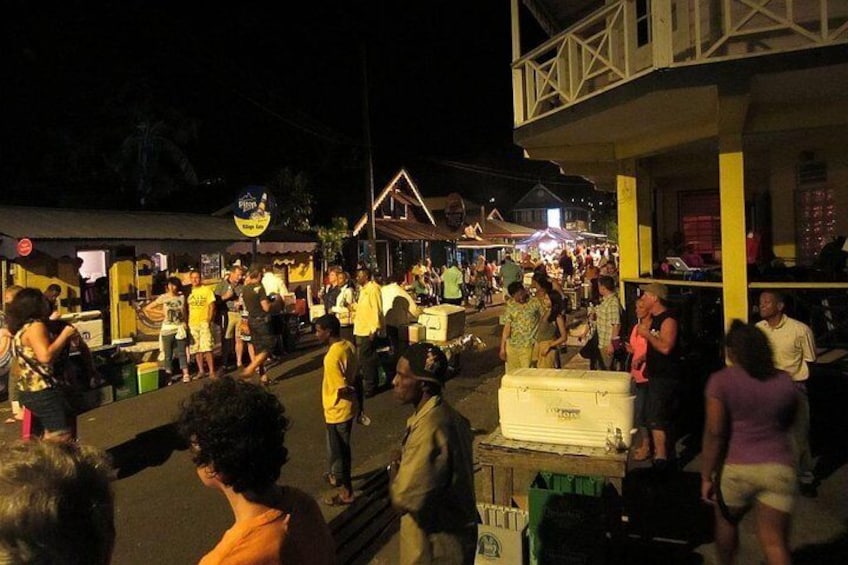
{"points": [[554, 218]]}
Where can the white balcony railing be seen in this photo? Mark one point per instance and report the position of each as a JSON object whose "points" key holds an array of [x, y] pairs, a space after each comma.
{"points": [[616, 44]]}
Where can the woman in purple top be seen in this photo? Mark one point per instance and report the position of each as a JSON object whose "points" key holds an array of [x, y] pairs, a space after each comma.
{"points": [[750, 407]]}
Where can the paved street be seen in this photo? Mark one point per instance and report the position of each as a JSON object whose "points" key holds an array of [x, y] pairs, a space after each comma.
{"points": [[164, 515]]}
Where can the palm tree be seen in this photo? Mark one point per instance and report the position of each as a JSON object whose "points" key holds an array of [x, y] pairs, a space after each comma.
{"points": [[154, 162]]}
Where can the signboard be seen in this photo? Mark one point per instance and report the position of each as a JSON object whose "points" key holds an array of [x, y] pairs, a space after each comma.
{"points": [[24, 247], [253, 210], [454, 211]]}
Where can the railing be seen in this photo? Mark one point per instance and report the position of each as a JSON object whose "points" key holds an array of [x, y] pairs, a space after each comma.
{"points": [[605, 49]]}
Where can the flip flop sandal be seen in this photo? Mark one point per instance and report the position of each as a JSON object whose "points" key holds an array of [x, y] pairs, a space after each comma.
{"points": [[331, 479], [337, 500]]}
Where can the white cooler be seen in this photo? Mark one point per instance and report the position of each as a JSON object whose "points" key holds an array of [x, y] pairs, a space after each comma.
{"points": [[443, 322], [566, 406]]}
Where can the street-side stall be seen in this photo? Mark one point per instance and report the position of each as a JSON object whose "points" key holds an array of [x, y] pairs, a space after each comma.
{"points": [[560, 454]]}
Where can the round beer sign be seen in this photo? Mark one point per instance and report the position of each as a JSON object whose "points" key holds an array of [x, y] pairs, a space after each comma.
{"points": [[253, 210], [24, 247]]}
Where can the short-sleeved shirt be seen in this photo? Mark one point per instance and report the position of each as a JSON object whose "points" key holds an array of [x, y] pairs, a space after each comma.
{"points": [[369, 310], [608, 315], [793, 346], [760, 413], [452, 280], [523, 320], [510, 273], [339, 371], [174, 309], [257, 540], [252, 297], [198, 304], [224, 287]]}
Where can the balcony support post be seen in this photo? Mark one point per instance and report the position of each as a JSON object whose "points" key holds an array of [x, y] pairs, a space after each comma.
{"points": [[734, 266], [661, 33], [628, 222]]}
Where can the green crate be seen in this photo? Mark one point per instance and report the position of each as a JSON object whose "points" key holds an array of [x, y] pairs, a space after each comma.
{"points": [[148, 377], [125, 381], [568, 520]]}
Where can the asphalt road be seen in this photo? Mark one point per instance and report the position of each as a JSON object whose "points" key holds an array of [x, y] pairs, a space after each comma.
{"points": [[165, 515]]}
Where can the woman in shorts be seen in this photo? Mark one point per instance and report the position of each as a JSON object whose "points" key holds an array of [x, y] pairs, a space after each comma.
{"points": [[750, 407], [36, 350]]}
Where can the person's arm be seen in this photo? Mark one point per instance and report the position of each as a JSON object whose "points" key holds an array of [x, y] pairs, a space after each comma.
{"points": [[154, 309], [808, 345], [422, 471], [39, 340], [376, 299], [563, 334], [507, 331], [664, 342], [713, 446], [210, 309]]}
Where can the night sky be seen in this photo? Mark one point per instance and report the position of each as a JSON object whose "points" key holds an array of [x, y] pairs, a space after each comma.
{"points": [[245, 91]]}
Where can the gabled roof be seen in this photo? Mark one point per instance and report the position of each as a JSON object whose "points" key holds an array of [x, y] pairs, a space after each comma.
{"points": [[539, 196], [402, 185], [406, 230], [495, 214]]}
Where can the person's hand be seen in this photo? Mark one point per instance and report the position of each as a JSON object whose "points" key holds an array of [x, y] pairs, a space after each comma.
{"points": [[708, 491], [628, 347], [502, 354]]}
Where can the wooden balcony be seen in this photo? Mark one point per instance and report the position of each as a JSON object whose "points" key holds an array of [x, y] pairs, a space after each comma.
{"points": [[619, 43]]}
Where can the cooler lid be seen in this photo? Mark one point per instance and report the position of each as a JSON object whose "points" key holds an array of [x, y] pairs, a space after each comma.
{"points": [[444, 309], [575, 380]]}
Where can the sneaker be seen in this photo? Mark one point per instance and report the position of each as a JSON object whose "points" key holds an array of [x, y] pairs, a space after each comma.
{"points": [[363, 419], [173, 379]]}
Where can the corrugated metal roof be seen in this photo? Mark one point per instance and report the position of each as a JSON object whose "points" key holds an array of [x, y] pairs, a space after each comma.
{"points": [[63, 224], [406, 230]]}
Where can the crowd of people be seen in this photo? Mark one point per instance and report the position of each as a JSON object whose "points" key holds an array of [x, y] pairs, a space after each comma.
{"points": [[755, 449]]}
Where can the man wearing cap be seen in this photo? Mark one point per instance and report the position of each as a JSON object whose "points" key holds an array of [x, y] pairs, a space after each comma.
{"points": [[793, 347], [433, 478], [229, 292], [662, 364]]}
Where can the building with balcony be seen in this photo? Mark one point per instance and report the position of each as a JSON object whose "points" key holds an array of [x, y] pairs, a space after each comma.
{"points": [[720, 123], [540, 208]]}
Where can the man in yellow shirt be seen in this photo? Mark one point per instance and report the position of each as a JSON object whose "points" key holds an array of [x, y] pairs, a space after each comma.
{"points": [[338, 396], [367, 323], [201, 310]]}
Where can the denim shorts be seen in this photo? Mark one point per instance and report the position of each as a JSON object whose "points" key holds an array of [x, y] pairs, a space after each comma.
{"points": [[50, 407]]}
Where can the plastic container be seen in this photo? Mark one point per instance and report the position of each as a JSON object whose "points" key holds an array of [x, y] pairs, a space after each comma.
{"points": [[148, 377]]}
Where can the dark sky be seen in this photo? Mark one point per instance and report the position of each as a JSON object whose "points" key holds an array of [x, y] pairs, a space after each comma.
{"points": [[250, 89]]}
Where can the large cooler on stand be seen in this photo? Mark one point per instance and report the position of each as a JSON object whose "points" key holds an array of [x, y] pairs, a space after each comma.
{"points": [[443, 322], [567, 407]]}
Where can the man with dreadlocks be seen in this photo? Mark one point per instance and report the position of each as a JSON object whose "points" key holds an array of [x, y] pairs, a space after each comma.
{"points": [[433, 477]]}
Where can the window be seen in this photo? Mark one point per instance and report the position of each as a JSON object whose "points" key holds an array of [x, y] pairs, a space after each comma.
{"points": [[815, 221], [700, 220], [643, 22], [554, 218]]}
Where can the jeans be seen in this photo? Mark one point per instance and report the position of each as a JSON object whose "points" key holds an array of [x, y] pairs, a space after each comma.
{"points": [[366, 355], [338, 452], [170, 345]]}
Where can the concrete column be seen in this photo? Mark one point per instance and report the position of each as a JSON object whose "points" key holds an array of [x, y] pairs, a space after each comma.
{"points": [[734, 266]]}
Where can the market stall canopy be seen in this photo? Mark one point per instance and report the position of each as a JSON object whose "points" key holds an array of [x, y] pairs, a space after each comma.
{"points": [[481, 244], [60, 230], [558, 235]]}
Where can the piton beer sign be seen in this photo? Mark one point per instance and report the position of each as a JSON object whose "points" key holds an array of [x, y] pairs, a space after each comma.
{"points": [[253, 210]]}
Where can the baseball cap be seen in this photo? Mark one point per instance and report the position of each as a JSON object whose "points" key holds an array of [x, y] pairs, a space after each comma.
{"points": [[657, 289], [428, 362]]}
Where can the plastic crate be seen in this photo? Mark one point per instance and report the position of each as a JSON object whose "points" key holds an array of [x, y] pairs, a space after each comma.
{"points": [[124, 378], [148, 377], [567, 526]]}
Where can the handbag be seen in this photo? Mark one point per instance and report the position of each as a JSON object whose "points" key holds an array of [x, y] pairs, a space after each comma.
{"points": [[590, 349]]}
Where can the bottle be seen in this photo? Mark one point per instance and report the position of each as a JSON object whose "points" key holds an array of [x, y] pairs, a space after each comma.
{"points": [[261, 210]]}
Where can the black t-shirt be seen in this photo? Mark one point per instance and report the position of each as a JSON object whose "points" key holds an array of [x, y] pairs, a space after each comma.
{"points": [[657, 364], [252, 296]]}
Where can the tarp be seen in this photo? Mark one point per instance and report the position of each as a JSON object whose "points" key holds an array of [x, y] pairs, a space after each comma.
{"points": [[558, 235]]}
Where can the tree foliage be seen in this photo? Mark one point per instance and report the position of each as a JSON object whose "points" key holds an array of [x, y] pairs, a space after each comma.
{"points": [[332, 239], [294, 199]]}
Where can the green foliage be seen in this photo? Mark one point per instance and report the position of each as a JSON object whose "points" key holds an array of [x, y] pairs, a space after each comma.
{"points": [[332, 238], [294, 199]]}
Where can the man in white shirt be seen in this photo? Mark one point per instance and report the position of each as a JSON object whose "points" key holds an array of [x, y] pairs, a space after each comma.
{"points": [[793, 347], [272, 282], [399, 308]]}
